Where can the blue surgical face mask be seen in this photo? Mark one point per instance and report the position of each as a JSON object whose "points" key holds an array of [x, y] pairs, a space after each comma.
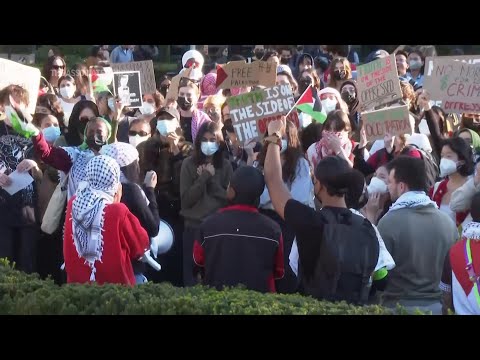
{"points": [[284, 146], [209, 148], [51, 133], [166, 127]]}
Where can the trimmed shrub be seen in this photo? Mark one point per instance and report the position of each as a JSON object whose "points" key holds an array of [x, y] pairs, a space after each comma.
{"points": [[25, 294]]}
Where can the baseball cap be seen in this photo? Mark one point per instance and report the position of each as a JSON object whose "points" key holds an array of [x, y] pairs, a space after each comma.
{"points": [[171, 111], [284, 68]]}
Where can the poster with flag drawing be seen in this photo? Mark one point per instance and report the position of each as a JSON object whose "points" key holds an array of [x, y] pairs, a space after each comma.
{"points": [[309, 103]]}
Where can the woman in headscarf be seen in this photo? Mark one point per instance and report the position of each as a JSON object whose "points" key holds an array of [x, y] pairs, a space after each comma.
{"points": [[139, 200], [208, 87], [349, 93], [102, 236]]}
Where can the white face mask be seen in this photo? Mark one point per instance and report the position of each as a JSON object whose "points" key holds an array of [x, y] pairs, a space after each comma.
{"points": [[111, 104], [67, 92], [147, 109], [329, 105], [209, 148], [377, 186], [137, 140], [447, 167]]}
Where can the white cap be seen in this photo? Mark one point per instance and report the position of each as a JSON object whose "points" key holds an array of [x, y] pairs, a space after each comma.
{"points": [[193, 54]]}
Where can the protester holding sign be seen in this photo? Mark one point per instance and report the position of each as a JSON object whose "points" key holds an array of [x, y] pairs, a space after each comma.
{"points": [[18, 226], [204, 180]]}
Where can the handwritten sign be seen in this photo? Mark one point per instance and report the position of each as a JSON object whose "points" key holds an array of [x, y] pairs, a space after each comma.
{"points": [[453, 82], [147, 73], [13, 73], [391, 120], [240, 74], [377, 83], [251, 112], [172, 93]]}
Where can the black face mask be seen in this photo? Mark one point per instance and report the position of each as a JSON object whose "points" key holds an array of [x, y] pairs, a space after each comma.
{"points": [[184, 104], [339, 74], [349, 98], [259, 53], [284, 60], [95, 142]]}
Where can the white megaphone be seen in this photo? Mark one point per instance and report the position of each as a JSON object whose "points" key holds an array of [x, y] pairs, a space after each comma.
{"points": [[146, 258], [163, 242]]}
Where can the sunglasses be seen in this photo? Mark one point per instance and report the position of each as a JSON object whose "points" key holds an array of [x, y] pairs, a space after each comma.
{"points": [[140, 133], [56, 67]]}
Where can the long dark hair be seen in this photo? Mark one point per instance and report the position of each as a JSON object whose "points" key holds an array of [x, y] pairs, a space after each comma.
{"points": [[132, 172], [52, 103], [460, 147], [75, 127], [47, 69], [199, 157], [292, 155]]}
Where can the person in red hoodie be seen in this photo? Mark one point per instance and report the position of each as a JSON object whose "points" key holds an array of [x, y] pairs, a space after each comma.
{"points": [[102, 236]]}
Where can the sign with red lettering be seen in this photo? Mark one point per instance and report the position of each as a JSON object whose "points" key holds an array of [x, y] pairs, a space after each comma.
{"points": [[454, 82], [377, 83], [390, 120], [237, 74], [251, 112]]}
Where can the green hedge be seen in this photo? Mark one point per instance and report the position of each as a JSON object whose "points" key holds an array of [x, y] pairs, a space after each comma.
{"points": [[25, 294]]}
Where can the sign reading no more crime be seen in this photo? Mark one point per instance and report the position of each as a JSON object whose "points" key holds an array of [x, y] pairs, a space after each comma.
{"points": [[251, 112]]}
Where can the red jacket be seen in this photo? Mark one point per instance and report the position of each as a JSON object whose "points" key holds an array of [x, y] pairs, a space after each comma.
{"points": [[438, 196], [124, 240]]}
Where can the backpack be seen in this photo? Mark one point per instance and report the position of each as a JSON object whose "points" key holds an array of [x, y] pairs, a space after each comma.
{"points": [[431, 166], [340, 265]]}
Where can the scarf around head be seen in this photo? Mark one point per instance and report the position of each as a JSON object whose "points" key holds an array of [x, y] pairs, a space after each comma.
{"points": [[322, 150], [475, 140], [88, 208], [471, 231], [123, 153], [353, 108]]}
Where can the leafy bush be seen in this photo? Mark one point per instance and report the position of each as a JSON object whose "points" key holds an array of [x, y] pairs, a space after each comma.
{"points": [[25, 294]]}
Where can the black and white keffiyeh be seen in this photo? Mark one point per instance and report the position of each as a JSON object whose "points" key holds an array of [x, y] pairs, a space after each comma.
{"points": [[102, 181], [123, 153], [472, 231], [412, 199], [78, 172]]}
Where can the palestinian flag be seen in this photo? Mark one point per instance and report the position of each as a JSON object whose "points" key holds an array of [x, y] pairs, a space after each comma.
{"points": [[309, 103], [97, 84]]}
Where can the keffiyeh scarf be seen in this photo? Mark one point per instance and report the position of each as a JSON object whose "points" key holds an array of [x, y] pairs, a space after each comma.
{"points": [[471, 231], [88, 208], [412, 199]]}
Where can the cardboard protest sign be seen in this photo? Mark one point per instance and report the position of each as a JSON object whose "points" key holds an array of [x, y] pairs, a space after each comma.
{"points": [[453, 82], [251, 112], [26, 76], [378, 83], [127, 86], [146, 71], [391, 120], [237, 74], [172, 93]]}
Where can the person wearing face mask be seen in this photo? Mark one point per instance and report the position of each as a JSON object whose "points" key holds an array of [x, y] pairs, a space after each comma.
{"points": [[286, 57], [139, 132], [258, 52], [67, 90], [297, 178], [333, 226], [213, 108], [18, 222], [164, 153], [335, 140], [204, 179], [378, 197], [349, 92], [331, 100], [340, 71], [222, 248], [191, 119], [415, 69], [457, 167]]}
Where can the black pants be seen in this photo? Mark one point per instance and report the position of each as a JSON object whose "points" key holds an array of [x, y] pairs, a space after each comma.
{"points": [[189, 237], [19, 245], [50, 256]]}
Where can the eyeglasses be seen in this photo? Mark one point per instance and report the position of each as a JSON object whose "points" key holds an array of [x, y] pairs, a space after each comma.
{"points": [[140, 133], [56, 67]]}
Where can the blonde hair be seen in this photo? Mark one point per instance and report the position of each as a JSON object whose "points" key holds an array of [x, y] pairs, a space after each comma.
{"points": [[214, 100]]}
